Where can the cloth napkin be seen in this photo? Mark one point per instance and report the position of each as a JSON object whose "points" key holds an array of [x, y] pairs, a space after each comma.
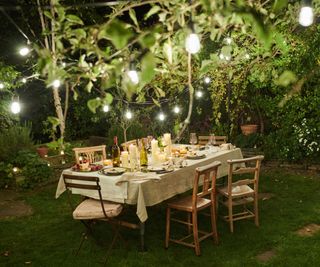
{"points": [[137, 176]]}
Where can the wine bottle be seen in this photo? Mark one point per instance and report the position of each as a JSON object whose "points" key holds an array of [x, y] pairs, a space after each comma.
{"points": [[143, 154], [115, 153]]}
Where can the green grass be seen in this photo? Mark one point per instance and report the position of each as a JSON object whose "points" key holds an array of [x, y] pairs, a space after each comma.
{"points": [[50, 236]]}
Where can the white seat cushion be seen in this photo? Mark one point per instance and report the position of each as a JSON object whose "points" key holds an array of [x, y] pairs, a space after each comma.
{"points": [[236, 190], [91, 209]]}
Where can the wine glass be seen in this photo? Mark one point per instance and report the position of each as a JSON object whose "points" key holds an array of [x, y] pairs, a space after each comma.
{"points": [[212, 140], [193, 139]]}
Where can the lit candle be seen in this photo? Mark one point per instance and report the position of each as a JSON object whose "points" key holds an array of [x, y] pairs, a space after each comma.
{"points": [[167, 141], [154, 150], [133, 156], [125, 159]]}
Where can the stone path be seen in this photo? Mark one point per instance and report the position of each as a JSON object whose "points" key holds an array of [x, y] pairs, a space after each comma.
{"points": [[12, 206]]}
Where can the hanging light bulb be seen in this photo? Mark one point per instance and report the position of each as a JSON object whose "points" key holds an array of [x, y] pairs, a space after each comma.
{"points": [[15, 169], [161, 116], [24, 51], [56, 83], [24, 80], [193, 43], [207, 80], [133, 75], [306, 14], [128, 115], [247, 56], [227, 58], [199, 94], [228, 40], [15, 107], [105, 108], [1, 85], [176, 110], [221, 56]]}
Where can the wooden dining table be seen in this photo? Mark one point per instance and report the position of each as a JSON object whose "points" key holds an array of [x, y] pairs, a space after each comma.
{"points": [[148, 189]]}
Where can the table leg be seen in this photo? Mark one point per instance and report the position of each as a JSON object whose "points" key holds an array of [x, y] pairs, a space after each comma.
{"points": [[142, 231]]}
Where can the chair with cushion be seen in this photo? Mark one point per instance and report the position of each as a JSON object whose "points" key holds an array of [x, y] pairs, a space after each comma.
{"points": [[241, 192], [90, 210], [203, 196], [91, 154], [217, 140]]}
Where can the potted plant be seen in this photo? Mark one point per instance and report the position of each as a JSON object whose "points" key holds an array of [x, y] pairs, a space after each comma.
{"points": [[42, 150], [248, 126]]}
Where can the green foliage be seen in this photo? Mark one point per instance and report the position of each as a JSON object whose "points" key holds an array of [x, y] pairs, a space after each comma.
{"points": [[249, 141], [14, 139]]}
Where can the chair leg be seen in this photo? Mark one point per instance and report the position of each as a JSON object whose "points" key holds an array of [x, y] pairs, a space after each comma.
{"points": [[230, 214], [84, 237], [167, 227], [214, 223], [115, 236], [256, 211], [189, 223], [195, 233]]}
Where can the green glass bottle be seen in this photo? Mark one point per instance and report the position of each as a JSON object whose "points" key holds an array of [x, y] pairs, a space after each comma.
{"points": [[143, 154], [115, 153]]}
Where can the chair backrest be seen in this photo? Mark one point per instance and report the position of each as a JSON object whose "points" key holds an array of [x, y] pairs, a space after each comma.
{"points": [[85, 183], [126, 145], [248, 166], [205, 186], [92, 153], [219, 139]]}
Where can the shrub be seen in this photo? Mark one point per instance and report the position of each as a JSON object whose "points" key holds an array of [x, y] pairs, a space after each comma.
{"points": [[14, 139]]}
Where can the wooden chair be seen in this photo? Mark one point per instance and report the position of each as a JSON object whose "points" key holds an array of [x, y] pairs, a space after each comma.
{"points": [[90, 210], [195, 203], [241, 191], [204, 139], [92, 153], [125, 146]]}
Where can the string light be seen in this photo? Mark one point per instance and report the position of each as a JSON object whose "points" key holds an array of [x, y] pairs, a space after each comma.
{"points": [[128, 115], [228, 40], [176, 110], [24, 80], [207, 80], [15, 169], [227, 58], [133, 76], [105, 108], [1, 85], [247, 56], [24, 51], [15, 107], [199, 94], [193, 43], [61, 152], [306, 14], [221, 56], [161, 116], [56, 83]]}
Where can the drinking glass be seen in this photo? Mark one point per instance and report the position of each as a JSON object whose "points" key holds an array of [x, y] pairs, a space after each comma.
{"points": [[193, 139], [212, 140]]}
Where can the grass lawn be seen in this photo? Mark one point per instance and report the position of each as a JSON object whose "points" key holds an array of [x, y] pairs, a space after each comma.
{"points": [[50, 236]]}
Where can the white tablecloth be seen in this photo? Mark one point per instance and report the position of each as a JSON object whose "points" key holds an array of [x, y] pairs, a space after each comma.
{"points": [[136, 189]]}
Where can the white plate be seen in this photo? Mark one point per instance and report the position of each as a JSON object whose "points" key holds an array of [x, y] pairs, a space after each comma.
{"points": [[114, 171], [155, 168]]}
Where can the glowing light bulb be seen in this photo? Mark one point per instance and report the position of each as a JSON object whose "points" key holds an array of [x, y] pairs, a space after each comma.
{"points": [[161, 116], [24, 51], [105, 108], [61, 152], [133, 75], [1, 85], [207, 80], [199, 94], [306, 16], [228, 40], [63, 64], [24, 80], [193, 43], [128, 115], [176, 110], [15, 107], [227, 58], [221, 56], [15, 169], [56, 83], [247, 56]]}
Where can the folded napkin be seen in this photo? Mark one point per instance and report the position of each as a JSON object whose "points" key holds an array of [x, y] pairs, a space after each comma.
{"points": [[137, 176]]}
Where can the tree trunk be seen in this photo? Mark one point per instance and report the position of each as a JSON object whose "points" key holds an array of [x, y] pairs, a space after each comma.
{"points": [[191, 95]]}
